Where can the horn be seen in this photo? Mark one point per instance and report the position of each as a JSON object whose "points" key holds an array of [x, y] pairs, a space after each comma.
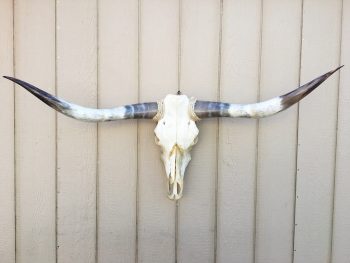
{"points": [[207, 109], [134, 111]]}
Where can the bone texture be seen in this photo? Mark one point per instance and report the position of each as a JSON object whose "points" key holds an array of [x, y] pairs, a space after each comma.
{"points": [[207, 109], [176, 133], [134, 111]]}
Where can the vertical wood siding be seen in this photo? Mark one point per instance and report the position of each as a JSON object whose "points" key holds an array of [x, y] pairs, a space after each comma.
{"points": [[7, 149], [34, 51], [277, 137], [270, 190], [341, 201], [158, 74], [76, 67], [317, 134], [117, 145], [200, 23], [240, 62]]}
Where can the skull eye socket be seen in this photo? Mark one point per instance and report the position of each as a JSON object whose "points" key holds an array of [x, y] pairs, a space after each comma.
{"points": [[156, 139], [194, 141]]}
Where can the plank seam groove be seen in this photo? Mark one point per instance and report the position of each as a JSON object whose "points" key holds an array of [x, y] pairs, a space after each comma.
{"points": [[179, 90], [97, 176], [179, 47], [14, 126], [257, 130], [218, 134], [297, 128], [337, 133], [56, 145], [137, 197]]}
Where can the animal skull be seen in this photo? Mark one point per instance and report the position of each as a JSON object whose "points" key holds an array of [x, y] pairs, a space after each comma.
{"points": [[176, 132]]}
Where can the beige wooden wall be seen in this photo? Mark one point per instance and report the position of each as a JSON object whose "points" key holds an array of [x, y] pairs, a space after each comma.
{"points": [[274, 190]]}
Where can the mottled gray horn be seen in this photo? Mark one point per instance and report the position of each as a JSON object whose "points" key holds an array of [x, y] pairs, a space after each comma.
{"points": [[207, 109], [134, 111]]}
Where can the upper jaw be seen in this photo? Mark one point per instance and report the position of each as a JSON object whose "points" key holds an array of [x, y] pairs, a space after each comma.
{"points": [[175, 178]]}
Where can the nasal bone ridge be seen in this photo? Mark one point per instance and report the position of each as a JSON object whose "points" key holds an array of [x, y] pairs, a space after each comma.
{"points": [[176, 148]]}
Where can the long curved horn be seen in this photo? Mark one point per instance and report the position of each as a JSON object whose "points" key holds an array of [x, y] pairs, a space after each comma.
{"points": [[207, 109], [134, 111]]}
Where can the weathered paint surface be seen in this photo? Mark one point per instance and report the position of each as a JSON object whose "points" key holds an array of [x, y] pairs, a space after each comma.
{"points": [[78, 192]]}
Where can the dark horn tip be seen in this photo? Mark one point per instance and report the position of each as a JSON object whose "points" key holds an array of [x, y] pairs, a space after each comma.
{"points": [[11, 78], [19, 82], [333, 71], [338, 68]]}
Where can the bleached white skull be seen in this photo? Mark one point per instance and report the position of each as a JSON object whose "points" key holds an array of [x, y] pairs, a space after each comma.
{"points": [[176, 133]]}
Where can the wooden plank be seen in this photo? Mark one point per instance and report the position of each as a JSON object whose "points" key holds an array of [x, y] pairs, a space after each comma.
{"points": [[277, 137], [76, 145], [7, 187], [317, 133], [341, 226], [237, 137], [118, 85], [158, 76], [35, 133], [200, 27]]}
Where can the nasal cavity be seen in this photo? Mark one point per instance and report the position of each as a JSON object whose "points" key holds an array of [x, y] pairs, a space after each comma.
{"points": [[178, 189]]}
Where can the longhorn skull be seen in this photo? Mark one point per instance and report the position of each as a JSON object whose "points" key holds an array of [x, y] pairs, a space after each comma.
{"points": [[176, 131]]}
